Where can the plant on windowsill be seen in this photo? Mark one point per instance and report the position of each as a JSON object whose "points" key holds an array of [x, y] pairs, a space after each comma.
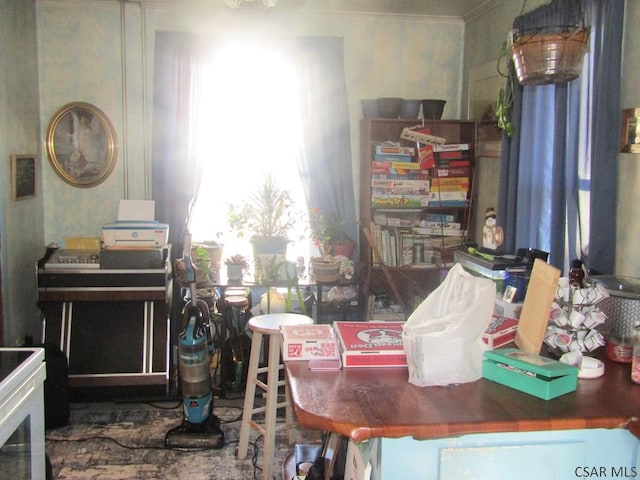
{"points": [[266, 217], [267, 212], [328, 234], [201, 262], [237, 265], [335, 246]]}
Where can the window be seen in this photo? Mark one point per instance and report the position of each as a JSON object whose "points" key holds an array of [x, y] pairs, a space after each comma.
{"points": [[248, 125]]}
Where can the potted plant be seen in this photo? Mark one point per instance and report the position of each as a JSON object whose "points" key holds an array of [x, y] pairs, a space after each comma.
{"points": [[201, 262], [236, 266], [504, 104], [328, 234], [267, 217]]}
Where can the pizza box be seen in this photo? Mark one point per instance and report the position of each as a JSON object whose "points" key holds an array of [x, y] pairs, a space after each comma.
{"points": [[501, 331], [309, 342], [539, 376], [371, 344]]}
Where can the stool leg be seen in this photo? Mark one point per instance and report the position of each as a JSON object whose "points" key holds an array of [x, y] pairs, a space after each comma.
{"points": [[272, 406], [249, 395], [288, 413]]}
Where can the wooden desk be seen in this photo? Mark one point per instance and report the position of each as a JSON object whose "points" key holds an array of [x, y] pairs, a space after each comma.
{"points": [[372, 403]]}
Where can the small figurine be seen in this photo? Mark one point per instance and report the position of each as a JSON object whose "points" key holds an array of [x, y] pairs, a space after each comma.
{"points": [[492, 234]]}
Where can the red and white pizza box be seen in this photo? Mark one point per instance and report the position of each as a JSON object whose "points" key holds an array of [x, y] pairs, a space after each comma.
{"points": [[309, 342], [501, 331], [371, 344]]}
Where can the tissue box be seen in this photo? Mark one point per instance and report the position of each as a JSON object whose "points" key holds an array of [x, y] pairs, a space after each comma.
{"points": [[530, 373], [309, 342]]}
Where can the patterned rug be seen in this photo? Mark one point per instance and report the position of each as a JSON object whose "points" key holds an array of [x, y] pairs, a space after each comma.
{"points": [[116, 442]]}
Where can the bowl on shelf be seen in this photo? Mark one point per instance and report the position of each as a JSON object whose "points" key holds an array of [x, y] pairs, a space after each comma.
{"points": [[432, 109], [389, 107], [370, 108], [410, 108]]}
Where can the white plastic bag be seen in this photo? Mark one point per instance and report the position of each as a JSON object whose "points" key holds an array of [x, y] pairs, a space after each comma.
{"points": [[443, 336]]}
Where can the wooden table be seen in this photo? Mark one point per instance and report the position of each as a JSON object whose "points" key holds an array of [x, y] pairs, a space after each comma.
{"points": [[367, 403]]}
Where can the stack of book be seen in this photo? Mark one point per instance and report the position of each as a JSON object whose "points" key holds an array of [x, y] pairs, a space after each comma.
{"points": [[396, 179], [450, 182]]}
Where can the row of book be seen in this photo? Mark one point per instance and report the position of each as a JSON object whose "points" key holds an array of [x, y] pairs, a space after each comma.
{"points": [[439, 176], [405, 247]]}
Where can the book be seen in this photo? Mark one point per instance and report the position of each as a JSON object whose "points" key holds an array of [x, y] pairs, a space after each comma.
{"points": [[421, 175], [453, 155], [421, 135], [439, 230], [451, 147], [399, 187], [446, 195], [439, 217], [381, 157], [371, 344], [452, 172], [400, 172], [395, 150], [450, 181], [400, 200]]}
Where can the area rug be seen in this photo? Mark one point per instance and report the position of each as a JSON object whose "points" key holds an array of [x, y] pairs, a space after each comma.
{"points": [[128, 443]]}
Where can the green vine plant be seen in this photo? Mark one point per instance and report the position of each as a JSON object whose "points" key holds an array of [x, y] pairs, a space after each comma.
{"points": [[504, 104]]}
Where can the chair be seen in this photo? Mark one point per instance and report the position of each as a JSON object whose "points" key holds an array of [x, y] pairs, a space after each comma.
{"points": [[261, 325]]}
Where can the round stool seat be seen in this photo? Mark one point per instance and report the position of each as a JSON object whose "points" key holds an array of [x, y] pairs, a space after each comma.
{"points": [[236, 301], [236, 292], [270, 323]]}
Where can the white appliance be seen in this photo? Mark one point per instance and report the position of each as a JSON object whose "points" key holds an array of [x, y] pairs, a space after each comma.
{"points": [[135, 234], [136, 226], [22, 445]]}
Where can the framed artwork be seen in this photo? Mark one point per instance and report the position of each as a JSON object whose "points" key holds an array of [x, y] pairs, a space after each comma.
{"points": [[23, 176], [81, 145], [630, 131]]}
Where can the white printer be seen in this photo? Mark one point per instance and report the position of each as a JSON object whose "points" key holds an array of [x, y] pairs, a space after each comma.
{"points": [[135, 226]]}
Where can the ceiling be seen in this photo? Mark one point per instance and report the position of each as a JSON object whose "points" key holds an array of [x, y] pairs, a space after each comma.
{"points": [[459, 9], [440, 8]]}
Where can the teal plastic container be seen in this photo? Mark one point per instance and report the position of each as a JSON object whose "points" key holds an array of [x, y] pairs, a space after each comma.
{"points": [[539, 376]]}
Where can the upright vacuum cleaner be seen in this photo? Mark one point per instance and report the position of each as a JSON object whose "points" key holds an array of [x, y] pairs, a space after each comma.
{"points": [[200, 428]]}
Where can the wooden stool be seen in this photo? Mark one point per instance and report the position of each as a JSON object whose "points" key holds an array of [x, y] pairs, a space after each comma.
{"points": [[260, 325]]}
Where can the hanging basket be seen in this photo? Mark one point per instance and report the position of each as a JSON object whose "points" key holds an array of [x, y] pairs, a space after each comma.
{"points": [[543, 58]]}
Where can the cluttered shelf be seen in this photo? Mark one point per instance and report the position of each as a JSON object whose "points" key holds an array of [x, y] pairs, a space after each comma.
{"points": [[416, 198]]}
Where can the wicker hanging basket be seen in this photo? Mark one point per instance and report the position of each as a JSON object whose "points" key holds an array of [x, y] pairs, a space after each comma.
{"points": [[542, 58]]}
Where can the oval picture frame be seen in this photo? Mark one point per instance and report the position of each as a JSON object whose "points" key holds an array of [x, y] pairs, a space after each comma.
{"points": [[81, 144]]}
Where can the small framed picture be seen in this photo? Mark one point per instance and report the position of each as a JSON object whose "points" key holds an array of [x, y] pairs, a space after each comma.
{"points": [[23, 176], [509, 293]]}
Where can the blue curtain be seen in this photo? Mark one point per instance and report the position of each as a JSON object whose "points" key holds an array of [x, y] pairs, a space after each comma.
{"points": [[326, 151], [558, 171]]}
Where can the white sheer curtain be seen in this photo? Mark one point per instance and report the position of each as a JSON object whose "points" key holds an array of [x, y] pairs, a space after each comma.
{"points": [[249, 124]]}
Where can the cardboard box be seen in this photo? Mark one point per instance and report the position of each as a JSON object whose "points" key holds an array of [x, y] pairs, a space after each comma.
{"points": [[309, 342], [530, 373], [507, 309], [371, 344], [501, 331]]}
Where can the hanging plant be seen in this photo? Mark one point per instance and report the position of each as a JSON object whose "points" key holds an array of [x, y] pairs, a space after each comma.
{"points": [[504, 104]]}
